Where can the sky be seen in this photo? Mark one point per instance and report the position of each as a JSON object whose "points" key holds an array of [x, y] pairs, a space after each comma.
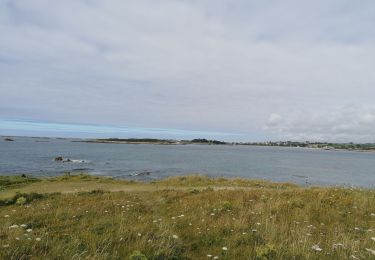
{"points": [[238, 70]]}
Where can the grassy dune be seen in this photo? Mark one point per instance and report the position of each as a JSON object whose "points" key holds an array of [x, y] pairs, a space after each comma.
{"points": [[192, 217]]}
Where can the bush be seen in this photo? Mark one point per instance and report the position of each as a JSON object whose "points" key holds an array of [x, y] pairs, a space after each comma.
{"points": [[137, 255], [265, 252]]}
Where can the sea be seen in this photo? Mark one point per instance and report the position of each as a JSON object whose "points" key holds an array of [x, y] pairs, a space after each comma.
{"points": [[35, 157]]}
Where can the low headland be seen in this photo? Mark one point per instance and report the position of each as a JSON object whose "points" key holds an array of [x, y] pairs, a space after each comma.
{"points": [[187, 217], [364, 147]]}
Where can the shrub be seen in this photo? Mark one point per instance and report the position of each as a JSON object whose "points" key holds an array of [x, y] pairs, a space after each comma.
{"points": [[265, 252], [137, 255]]}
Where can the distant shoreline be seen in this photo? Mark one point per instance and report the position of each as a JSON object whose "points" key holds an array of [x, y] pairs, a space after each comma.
{"points": [[226, 144], [355, 147]]}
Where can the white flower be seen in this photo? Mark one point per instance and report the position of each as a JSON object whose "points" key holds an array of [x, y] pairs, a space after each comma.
{"points": [[13, 226], [316, 248], [258, 224], [209, 255], [29, 230], [6, 216], [216, 257], [225, 248], [372, 251], [139, 234], [335, 246], [23, 225], [38, 239], [373, 238], [175, 236], [253, 230], [5, 246]]}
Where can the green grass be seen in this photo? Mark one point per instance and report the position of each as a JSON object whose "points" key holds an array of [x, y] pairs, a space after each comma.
{"points": [[184, 218]]}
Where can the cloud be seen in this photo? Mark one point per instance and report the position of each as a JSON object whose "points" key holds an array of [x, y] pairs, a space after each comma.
{"points": [[351, 123], [273, 120], [197, 65]]}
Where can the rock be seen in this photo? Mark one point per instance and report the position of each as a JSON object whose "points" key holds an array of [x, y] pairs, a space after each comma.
{"points": [[59, 159], [8, 139]]}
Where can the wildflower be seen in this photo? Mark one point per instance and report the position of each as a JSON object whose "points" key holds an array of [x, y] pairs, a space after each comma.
{"points": [[253, 230], [316, 248], [258, 224], [243, 233], [175, 236], [173, 217], [372, 214], [38, 239], [225, 248], [216, 257], [29, 230], [139, 234], [6, 216], [209, 256], [13, 226], [190, 224], [356, 228], [308, 234], [17, 238], [372, 251], [373, 238], [5, 246], [335, 246]]}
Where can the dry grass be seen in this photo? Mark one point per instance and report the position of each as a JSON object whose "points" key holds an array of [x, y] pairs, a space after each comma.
{"points": [[188, 218]]}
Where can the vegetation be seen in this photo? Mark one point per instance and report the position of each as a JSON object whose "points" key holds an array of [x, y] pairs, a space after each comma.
{"points": [[190, 217], [205, 141]]}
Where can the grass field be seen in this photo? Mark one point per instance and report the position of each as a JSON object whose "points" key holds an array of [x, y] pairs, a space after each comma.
{"points": [[192, 217]]}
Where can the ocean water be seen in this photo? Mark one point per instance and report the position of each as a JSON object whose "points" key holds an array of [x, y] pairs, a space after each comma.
{"points": [[34, 156]]}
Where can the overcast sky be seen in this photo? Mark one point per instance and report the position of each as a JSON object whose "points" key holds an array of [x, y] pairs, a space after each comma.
{"points": [[249, 70]]}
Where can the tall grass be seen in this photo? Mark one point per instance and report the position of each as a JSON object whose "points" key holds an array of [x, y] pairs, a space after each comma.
{"points": [[258, 220]]}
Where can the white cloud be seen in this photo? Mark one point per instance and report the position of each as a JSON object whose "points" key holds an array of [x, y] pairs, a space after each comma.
{"points": [[199, 65], [273, 121], [346, 124]]}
